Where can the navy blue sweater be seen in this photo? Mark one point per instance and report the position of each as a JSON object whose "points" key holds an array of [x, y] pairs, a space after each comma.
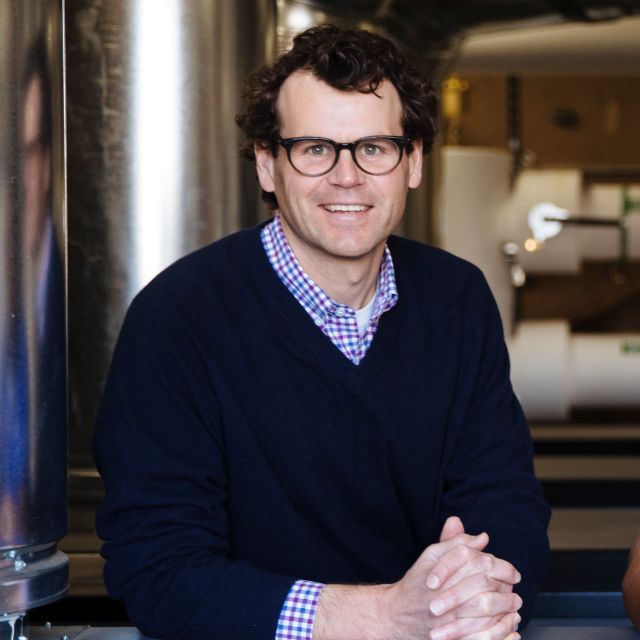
{"points": [[241, 450]]}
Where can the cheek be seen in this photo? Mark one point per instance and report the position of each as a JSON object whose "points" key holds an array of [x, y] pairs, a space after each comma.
{"points": [[299, 189], [393, 190]]}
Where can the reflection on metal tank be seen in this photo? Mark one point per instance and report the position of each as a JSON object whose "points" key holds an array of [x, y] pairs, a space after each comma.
{"points": [[152, 92], [33, 412]]}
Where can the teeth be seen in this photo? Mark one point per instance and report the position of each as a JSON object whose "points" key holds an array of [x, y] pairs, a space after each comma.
{"points": [[345, 207]]}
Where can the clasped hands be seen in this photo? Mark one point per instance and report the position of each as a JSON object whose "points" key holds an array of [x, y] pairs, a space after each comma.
{"points": [[455, 591]]}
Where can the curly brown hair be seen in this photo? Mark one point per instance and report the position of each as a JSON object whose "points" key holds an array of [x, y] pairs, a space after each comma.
{"points": [[349, 60]]}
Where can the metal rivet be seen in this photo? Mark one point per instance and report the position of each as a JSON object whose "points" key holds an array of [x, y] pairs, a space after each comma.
{"points": [[19, 565]]}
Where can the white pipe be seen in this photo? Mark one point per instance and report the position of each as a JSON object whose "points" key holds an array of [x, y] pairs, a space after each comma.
{"points": [[553, 371]]}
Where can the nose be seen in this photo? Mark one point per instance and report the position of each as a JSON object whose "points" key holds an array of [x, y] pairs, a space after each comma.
{"points": [[346, 172]]}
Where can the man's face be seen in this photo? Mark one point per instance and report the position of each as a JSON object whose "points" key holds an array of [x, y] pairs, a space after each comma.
{"points": [[314, 218]]}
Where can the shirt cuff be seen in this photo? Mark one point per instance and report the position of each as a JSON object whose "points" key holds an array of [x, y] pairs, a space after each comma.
{"points": [[298, 611]]}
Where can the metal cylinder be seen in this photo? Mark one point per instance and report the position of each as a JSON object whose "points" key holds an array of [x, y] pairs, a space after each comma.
{"points": [[33, 411], [554, 371], [152, 91]]}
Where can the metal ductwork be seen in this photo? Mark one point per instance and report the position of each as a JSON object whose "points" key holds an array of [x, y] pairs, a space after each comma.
{"points": [[437, 25], [153, 165], [33, 412]]}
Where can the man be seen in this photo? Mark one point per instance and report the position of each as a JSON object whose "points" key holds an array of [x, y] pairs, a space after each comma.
{"points": [[308, 430], [631, 585]]}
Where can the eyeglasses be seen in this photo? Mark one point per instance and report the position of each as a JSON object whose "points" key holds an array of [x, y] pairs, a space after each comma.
{"points": [[314, 157]]}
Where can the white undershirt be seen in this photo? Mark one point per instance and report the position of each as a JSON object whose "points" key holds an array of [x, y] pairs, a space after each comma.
{"points": [[364, 315]]}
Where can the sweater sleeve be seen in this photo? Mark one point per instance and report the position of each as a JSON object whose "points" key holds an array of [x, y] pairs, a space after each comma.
{"points": [[490, 481], [160, 449]]}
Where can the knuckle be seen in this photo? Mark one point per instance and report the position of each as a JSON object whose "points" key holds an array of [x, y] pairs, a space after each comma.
{"points": [[485, 635], [512, 604], [486, 629], [483, 582], [466, 553], [482, 604]]}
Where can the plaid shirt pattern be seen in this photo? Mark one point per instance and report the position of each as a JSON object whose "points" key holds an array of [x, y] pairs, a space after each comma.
{"points": [[298, 612], [338, 322]]}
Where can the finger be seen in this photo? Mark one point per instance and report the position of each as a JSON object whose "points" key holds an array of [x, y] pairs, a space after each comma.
{"points": [[461, 627], [489, 604], [477, 597], [503, 629], [486, 564], [452, 527], [437, 550], [450, 556], [492, 627]]}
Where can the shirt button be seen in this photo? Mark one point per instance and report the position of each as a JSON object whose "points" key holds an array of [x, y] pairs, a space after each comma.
{"points": [[340, 312]]}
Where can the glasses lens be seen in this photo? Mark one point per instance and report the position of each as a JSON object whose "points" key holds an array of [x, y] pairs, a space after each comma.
{"points": [[378, 155], [312, 157]]}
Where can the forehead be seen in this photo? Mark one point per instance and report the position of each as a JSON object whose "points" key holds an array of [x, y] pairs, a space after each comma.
{"points": [[308, 106]]}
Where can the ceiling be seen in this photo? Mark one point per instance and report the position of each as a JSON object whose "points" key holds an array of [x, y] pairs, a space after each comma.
{"points": [[609, 48]]}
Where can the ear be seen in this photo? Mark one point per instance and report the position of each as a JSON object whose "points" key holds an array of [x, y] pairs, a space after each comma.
{"points": [[265, 166], [415, 165]]}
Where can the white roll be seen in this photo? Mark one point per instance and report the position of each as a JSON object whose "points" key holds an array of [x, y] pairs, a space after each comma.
{"points": [[553, 371], [605, 370], [540, 368]]}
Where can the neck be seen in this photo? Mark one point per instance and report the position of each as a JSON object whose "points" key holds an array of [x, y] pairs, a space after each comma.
{"points": [[350, 281], [353, 285]]}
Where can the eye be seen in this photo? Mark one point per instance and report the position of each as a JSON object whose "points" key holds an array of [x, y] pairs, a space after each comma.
{"points": [[317, 149], [371, 149]]}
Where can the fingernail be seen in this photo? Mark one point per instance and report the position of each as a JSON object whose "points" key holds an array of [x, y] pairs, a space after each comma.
{"points": [[436, 607], [433, 582], [436, 634]]}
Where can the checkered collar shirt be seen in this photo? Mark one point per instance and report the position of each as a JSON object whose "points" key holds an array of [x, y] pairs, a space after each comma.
{"points": [[337, 321]]}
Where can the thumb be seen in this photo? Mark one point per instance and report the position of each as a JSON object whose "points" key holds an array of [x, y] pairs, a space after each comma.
{"points": [[452, 527]]}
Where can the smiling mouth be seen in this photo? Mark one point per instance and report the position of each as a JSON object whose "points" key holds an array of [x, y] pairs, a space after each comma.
{"points": [[346, 208]]}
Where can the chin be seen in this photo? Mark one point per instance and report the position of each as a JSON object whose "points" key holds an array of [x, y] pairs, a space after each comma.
{"points": [[351, 252]]}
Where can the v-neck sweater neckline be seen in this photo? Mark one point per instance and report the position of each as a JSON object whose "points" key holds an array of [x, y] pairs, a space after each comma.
{"points": [[299, 323]]}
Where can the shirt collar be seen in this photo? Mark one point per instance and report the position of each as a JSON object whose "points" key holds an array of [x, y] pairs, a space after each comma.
{"points": [[317, 303]]}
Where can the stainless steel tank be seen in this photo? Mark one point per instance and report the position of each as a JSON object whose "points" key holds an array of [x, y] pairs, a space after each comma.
{"points": [[33, 411], [152, 91]]}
